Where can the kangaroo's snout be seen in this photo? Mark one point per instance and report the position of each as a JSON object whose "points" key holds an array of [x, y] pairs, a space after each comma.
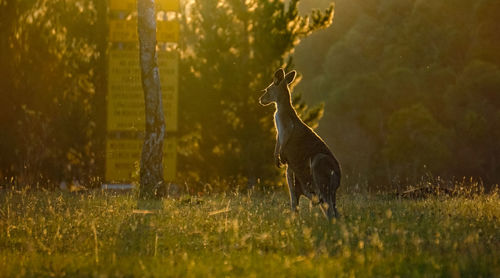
{"points": [[264, 98]]}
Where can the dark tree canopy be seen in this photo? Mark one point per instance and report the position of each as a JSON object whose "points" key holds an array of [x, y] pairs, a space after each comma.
{"points": [[412, 88]]}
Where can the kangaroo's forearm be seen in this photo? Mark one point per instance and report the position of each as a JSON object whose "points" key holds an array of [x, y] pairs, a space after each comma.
{"points": [[277, 158], [277, 147]]}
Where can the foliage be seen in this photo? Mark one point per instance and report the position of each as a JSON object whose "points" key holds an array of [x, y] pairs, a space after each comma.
{"points": [[413, 139], [51, 73], [48, 233], [232, 49], [385, 66]]}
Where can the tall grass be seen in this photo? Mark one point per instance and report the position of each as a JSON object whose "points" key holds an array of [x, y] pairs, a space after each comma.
{"points": [[45, 233]]}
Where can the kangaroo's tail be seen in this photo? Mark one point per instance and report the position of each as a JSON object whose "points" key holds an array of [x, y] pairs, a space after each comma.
{"points": [[326, 177], [334, 181], [332, 191]]}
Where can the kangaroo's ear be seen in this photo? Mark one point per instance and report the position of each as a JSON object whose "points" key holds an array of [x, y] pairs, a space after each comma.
{"points": [[278, 76], [290, 77]]}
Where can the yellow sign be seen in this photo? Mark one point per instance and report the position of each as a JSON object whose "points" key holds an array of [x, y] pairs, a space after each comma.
{"points": [[126, 31], [131, 5], [125, 110], [123, 158]]}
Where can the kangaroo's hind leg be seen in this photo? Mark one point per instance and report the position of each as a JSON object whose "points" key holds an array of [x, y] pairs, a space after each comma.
{"points": [[326, 182], [294, 188]]}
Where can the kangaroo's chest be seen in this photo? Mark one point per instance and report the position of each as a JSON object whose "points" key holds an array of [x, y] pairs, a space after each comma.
{"points": [[280, 127]]}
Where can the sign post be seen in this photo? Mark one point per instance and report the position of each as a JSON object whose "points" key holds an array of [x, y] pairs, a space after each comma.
{"points": [[125, 97]]}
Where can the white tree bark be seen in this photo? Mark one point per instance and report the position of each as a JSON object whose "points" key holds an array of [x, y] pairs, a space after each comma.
{"points": [[151, 172]]}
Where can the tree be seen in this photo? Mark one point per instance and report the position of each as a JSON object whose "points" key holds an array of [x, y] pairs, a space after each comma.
{"points": [[415, 143], [51, 90], [473, 111], [435, 68], [151, 172], [231, 50]]}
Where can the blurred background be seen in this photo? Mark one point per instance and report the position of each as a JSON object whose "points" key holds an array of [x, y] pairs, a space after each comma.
{"points": [[401, 90]]}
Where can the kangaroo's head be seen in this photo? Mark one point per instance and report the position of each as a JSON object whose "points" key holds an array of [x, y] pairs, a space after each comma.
{"points": [[278, 90]]}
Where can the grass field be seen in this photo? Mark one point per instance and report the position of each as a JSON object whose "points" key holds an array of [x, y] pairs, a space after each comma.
{"points": [[105, 235]]}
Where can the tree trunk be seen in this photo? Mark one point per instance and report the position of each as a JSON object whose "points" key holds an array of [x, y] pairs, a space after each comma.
{"points": [[151, 172], [100, 83]]}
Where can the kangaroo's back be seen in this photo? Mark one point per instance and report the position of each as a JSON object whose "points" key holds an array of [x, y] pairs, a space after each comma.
{"points": [[301, 148]]}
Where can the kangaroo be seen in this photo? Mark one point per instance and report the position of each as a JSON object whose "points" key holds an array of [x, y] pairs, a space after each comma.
{"points": [[312, 169]]}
